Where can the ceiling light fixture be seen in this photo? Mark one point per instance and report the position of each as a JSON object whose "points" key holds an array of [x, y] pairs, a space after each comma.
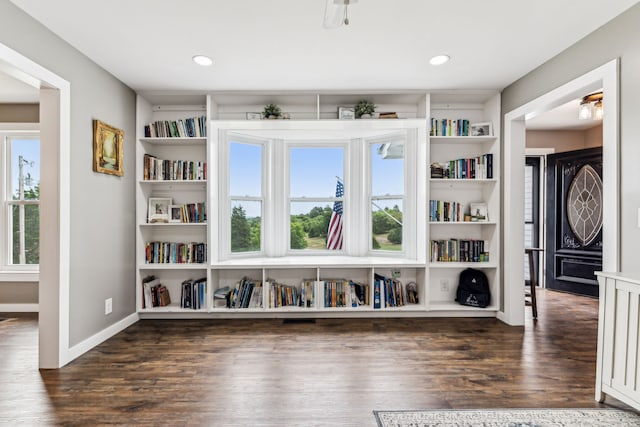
{"points": [[591, 107], [439, 59], [336, 13], [203, 60]]}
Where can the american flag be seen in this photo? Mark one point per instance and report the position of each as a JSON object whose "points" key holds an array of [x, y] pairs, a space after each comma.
{"points": [[334, 233]]}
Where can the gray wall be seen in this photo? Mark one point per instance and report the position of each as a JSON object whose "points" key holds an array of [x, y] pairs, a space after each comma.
{"points": [[620, 38], [102, 206]]}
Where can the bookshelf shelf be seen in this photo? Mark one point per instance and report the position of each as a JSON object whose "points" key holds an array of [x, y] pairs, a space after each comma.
{"points": [[455, 307], [462, 265], [461, 139], [201, 141], [305, 109], [463, 156], [169, 266]]}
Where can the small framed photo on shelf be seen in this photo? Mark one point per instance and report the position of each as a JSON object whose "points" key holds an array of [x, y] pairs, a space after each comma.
{"points": [[175, 213], [158, 209], [481, 129], [346, 113], [254, 116], [479, 212]]}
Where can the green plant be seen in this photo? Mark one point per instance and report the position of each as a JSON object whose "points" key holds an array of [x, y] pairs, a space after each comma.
{"points": [[364, 107], [271, 110]]}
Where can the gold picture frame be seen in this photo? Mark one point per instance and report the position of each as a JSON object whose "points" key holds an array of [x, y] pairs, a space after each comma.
{"points": [[108, 149]]}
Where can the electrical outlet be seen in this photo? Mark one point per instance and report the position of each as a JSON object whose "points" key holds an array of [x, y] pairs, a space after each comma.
{"points": [[108, 306], [444, 285]]}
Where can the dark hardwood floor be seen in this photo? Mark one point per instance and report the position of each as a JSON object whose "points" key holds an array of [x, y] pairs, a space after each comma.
{"points": [[332, 372]]}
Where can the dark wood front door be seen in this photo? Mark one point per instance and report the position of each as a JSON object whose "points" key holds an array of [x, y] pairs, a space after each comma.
{"points": [[574, 221]]}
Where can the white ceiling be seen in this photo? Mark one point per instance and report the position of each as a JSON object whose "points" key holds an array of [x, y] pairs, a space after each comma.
{"points": [[564, 117], [281, 44]]}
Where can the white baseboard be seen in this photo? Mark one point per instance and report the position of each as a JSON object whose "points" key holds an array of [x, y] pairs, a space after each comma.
{"points": [[19, 308], [86, 345]]}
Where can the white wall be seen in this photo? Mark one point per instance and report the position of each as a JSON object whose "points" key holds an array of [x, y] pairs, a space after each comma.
{"points": [[102, 206], [619, 38]]}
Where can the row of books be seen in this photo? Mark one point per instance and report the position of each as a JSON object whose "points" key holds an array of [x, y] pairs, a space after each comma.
{"points": [[193, 294], [247, 293], [154, 293], [459, 250], [472, 168], [449, 127], [175, 253], [389, 292], [184, 128], [328, 293], [281, 295], [155, 169], [193, 212], [443, 211]]}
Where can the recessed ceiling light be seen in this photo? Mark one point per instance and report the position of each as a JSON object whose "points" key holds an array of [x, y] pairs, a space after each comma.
{"points": [[439, 59], [203, 60]]}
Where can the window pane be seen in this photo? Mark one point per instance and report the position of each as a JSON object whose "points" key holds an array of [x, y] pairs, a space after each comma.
{"points": [[25, 168], [245, 169], [387, 169], [246, 224], [25, 234], [528, 193], [386, 224], [309, 226], [313, 171]]}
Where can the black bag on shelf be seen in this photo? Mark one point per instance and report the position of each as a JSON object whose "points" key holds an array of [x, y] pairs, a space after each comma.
{"points": [[473, 288]]}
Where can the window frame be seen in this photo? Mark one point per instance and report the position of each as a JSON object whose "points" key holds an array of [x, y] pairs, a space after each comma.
{"points": [[356, 137], [346, 202], [225, 208], [8, 270]]}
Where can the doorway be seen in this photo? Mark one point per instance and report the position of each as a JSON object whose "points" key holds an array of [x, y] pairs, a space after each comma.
{"points": [[53, 289], [605, 77]]}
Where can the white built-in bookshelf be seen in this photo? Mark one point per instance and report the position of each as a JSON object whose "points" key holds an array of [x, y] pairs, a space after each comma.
{"points": [[329, 278]]}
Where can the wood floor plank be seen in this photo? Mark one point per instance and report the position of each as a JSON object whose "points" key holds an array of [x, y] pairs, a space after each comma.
{"points": [[331, 372]]}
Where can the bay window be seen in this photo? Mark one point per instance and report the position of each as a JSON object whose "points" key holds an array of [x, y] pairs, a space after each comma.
{"points": [[288, 189]]}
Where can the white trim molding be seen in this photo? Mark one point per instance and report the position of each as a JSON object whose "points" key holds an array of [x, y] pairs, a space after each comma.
{"points": [[604, 77], [55, 136], [19, 308], [94, 340]]}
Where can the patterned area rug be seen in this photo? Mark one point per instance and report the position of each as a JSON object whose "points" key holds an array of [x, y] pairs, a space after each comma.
{"points": [[508, 418]]}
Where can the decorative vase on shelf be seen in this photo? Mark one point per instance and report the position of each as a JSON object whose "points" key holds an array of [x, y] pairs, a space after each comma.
{"points": [[365, 116]]}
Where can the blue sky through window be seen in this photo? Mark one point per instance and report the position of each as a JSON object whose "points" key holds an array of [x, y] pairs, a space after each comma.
{"points": [[29, 148], [313, 172]]}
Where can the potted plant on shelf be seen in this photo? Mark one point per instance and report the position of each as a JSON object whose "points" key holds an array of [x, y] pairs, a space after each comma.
{"points": [[271, 111], [364, 109]]}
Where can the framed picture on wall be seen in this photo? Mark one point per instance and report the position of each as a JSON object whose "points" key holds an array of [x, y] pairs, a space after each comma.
{"points": [[108, 149]]}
